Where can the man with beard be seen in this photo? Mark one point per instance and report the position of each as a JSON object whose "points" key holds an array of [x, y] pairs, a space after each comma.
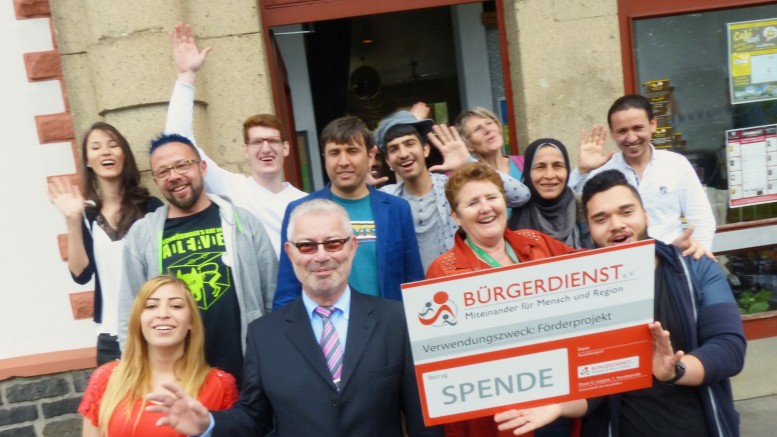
{"points": [[333, 362], [221, 251], [698, 343]]}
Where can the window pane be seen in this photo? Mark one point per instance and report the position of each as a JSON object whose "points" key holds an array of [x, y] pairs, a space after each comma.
{"points": [[691, 52]]}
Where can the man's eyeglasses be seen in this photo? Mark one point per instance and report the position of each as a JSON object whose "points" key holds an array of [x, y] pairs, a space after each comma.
{"points": [[274, 142], [181, 167], [310, 247]]}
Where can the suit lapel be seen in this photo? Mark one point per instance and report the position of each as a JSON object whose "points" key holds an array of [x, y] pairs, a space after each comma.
{"points": [[361, 325], [300, 334], [380, 213]]}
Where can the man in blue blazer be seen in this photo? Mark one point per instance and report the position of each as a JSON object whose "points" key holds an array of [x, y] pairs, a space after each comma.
{"points": [[345, 372], [388, 253]]}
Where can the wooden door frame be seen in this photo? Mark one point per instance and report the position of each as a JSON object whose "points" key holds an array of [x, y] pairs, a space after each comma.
{"points": [[286, 12]]}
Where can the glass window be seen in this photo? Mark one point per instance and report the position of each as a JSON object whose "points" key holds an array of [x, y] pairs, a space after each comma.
{"points": [[690, 53]]}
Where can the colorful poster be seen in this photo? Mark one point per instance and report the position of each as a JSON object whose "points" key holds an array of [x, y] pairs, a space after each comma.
{"points": [[536, 333], [751, 157], [752, 47]]}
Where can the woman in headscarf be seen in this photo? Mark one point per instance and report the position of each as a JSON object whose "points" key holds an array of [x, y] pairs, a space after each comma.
{"points": [[554, 209]]}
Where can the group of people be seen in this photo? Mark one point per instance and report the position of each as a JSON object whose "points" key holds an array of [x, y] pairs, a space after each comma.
{"points": [[249, 307]]}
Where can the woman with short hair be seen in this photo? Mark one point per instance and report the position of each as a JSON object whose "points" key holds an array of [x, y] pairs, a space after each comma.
{"points": [[477, 200]]}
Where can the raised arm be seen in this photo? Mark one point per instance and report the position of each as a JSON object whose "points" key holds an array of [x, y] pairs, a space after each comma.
{"points": [[665, 359], [187, 56], [68, 199], [188, 60], [590, 156], [448, 141]]}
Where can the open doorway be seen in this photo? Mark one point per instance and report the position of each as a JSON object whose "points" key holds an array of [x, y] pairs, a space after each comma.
{"points": [[448, 57]]}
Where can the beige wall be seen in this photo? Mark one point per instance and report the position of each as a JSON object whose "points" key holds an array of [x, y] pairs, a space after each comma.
{"points": [[117, 68], [565, 63]]}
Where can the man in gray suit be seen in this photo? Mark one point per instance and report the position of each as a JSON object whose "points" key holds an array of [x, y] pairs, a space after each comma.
{"points": [[334, 362]]}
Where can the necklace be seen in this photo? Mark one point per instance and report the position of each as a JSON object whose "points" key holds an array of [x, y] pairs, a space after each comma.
{"points": [[488, 258]]}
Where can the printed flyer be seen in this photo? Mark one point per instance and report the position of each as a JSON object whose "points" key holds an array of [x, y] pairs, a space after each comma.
{"points": [[751, 157], [536, 333], [752, 48]]}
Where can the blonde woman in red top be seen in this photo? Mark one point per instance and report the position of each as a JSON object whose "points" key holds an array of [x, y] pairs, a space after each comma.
{"points": [[164, 344]]}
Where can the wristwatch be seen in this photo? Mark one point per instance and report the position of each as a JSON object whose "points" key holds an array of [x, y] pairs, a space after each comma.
{"points": [[679, 370]]}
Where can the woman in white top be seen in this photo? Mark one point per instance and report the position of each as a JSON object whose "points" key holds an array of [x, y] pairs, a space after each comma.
{"points": [[98, 223]]}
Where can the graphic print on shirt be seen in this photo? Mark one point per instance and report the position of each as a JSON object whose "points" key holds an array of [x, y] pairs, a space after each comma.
{"points": [[195, 258], [364, 231]]}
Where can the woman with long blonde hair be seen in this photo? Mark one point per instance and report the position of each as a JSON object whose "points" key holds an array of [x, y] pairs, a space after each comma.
{"points": [[165, 343]]}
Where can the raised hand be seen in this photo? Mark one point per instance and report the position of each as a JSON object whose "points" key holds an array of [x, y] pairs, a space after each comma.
{"points": [[591, 154], [692, 247], [420, 110], [453, 149], [187, 56], [181, 412], [67, 197], [664, 357]]}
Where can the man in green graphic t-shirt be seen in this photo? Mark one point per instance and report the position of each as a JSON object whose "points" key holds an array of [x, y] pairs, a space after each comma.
{"points": [[221, 251]]}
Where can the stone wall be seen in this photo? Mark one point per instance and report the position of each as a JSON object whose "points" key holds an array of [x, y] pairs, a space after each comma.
{"points": [[118, 69], [44, 406], [565, 67]]}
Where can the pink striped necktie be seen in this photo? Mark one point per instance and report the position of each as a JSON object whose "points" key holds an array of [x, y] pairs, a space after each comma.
{"points": [[330, 345]]}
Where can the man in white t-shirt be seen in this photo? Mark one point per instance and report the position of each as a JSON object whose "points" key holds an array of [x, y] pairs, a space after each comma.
{"points": [[264, 192]]}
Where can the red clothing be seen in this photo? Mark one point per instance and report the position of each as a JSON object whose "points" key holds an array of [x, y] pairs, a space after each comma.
{"points": [[528, 245], [217, 393]]}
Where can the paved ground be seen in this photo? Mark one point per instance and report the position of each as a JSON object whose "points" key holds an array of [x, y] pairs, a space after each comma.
{"points": [[758, 416]]}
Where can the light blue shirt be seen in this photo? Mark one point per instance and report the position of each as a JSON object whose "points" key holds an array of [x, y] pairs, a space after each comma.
{"points": [[339, 319]]}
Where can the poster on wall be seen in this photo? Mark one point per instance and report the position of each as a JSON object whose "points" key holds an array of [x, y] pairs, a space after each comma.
{"points": [[752, 48], [751, 157]]}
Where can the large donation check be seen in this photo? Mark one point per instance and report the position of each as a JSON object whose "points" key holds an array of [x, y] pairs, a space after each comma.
{"points": [[540, 332]]}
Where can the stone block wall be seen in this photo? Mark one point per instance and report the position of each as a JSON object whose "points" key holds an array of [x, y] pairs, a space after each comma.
{"points": [[45, 406]]}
